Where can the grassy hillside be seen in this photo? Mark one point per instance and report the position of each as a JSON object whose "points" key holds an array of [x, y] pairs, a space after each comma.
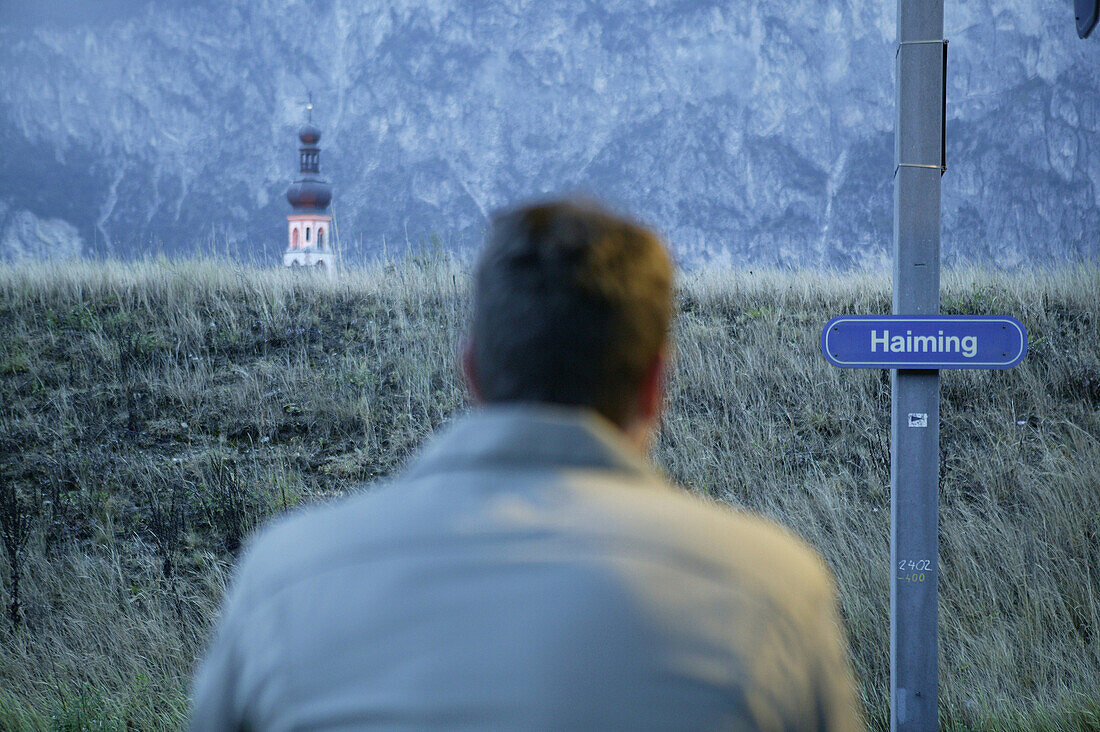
{"points": [[152, 415]]}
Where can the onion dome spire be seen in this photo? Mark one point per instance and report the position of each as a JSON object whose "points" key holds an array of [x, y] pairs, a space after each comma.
{"points": [[310, 192]]}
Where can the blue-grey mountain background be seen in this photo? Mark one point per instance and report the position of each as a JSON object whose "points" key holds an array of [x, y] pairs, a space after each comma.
{"points": [[751, 133]]}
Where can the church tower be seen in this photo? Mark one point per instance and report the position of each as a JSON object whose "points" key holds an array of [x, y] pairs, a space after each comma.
{"points": [[309, 238]]}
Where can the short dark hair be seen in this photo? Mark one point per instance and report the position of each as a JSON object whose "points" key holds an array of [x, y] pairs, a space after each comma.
{"points": [[571, 305]]}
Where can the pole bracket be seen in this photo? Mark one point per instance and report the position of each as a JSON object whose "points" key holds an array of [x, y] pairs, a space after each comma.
{"points": [[942, 168], [943, 108], [918, 43]]}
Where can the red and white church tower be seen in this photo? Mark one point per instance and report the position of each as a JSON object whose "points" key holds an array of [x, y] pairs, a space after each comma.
{"points": [[309, 237]]}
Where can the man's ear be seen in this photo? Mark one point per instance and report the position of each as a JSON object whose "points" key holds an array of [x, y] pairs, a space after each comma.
{"points": [[651, 396], [469, 372]]}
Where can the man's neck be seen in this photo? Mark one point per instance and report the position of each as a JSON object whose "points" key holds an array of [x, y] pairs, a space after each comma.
{"points": [[640, 435]]}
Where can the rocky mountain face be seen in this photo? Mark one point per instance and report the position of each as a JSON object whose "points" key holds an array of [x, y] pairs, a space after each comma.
{"points": [[753, 133]]}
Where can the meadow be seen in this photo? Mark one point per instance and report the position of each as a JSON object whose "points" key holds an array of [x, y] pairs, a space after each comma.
{"points": [[154, 414]]}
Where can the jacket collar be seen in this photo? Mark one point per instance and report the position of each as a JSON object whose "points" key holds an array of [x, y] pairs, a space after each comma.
{"points": [[528, 435]]}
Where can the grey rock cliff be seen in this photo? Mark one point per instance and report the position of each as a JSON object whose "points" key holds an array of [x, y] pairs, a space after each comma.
{"points": [[750, 133]]}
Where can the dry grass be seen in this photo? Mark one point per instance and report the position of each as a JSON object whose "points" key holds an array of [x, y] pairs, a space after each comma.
{"points": [[151, 415]]}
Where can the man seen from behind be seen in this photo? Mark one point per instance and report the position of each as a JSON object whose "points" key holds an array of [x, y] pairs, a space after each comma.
{"points": [[530, 569]]}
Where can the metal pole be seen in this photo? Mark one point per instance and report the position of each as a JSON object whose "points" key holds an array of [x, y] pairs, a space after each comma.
{"points": [[915, 417]]}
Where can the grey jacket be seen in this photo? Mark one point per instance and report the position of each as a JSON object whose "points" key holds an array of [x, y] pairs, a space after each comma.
{"points": [[527, 572]]}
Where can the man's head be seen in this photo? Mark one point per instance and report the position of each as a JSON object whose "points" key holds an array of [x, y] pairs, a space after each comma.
{"points": [[572, 305]]}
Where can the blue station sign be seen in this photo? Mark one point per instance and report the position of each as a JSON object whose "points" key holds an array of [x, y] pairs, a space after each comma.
{"points": [[924, 342]]}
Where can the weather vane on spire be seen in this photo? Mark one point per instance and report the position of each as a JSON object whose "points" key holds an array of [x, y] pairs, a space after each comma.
{"points": [[309, 107]]}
